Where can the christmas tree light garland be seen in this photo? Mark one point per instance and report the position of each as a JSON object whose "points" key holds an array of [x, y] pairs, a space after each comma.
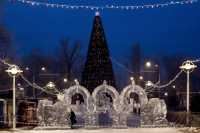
{"points": [[118, 7]]}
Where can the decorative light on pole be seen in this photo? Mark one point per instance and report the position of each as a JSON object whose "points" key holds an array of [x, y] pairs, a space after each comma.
{"points": [[97, 13], [14, 71], [132, 80], [27, 68], [76, 81], [156, 69], [188, 66], [149, 84]]}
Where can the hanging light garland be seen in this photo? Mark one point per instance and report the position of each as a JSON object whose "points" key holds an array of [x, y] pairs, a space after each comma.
{"points": [[118, 7]]}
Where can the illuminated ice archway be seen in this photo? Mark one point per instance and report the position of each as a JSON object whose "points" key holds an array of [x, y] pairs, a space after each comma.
{"points": [[105, 93], [105, 99], [133, 89], [105, 107], [77, 95], [78, 100], [132, 101]]}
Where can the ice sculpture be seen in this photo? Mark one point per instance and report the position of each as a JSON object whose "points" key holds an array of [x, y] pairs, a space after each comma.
{"points": [[106, 100], [154, 113], [105, 107], [50, 114], [133, 99]]}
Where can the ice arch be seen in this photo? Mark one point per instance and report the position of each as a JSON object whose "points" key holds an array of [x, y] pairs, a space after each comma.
{"points": [[77, 90], [106, 99], [111, 92], [78, 99], [133, 99], [129, 90]]}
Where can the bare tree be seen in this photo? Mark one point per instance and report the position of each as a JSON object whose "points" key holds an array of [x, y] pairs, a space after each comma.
{"points": [[1, 8], [69, 59], [5, 39], [5, 42], [136, 61], [171, 66]]}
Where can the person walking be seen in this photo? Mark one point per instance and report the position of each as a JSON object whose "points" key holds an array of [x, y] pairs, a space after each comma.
{"points": [[72, 119]]}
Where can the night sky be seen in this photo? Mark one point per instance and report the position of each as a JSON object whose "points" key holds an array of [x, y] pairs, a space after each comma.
{"points": [[160, 31]]}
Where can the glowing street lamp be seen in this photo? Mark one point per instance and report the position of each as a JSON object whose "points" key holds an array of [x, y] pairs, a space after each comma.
{"points": [[14, 71], [148, 64], [141, 77], [166, 94], [188, 66], [43, 69]]}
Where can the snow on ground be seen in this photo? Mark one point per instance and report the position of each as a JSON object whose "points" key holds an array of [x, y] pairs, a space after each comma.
{"points": [[132, 130]]}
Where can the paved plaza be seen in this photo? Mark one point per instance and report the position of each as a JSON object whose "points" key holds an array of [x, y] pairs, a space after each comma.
{"points": [[132, 130]]}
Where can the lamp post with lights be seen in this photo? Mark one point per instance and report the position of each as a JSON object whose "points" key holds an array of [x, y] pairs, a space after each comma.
{"points": [[14, 71], [148, 64], [156, 68], [188, 66]]}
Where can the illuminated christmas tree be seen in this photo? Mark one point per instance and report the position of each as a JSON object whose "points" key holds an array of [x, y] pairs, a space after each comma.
{"points": [[98, 66]]}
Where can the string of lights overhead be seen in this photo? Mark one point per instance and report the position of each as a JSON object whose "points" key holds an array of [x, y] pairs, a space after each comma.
{"points": [[152, 84], [116, 7]]}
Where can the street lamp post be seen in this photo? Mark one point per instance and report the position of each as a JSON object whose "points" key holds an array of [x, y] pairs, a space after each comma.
{"points": [[156, 69], [13, 71], [33, 79], [148, 64], [188, 66]]}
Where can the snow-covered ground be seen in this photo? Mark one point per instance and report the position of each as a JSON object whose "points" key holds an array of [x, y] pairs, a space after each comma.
{"points": [[132, 130]]}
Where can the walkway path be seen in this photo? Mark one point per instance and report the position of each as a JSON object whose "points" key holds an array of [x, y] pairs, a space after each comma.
{"points": [[132, 130]]}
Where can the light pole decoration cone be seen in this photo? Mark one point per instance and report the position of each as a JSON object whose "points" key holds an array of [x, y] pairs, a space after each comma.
{"points": [[188, 66], [14, 71]]}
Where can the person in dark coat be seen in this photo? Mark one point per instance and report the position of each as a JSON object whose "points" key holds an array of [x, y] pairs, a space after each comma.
{"points": [[72, 118]]}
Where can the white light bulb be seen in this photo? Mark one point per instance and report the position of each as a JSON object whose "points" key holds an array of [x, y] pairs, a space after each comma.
{"points": [[97, 13], [131, 78], [65, 80], [141, 78], [148, 64]]}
